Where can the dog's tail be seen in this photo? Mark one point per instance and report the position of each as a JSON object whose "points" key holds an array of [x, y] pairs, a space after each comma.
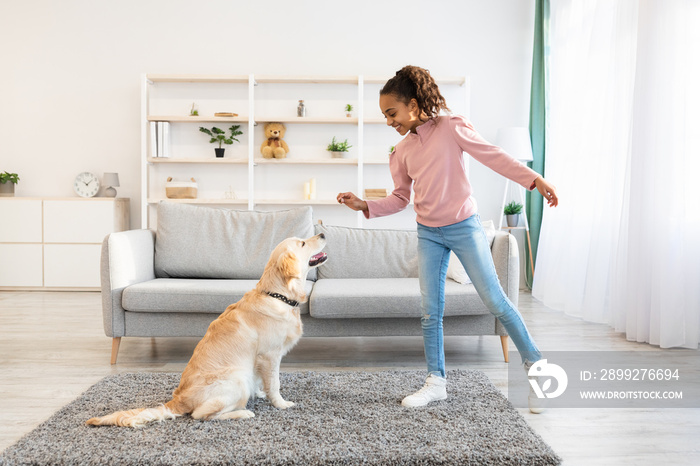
{"points": [[139, 417]]}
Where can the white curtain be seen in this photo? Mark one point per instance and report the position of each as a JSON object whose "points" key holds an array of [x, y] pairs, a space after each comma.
{"points": [[623, 149]]}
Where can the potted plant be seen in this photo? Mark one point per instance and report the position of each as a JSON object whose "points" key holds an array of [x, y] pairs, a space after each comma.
{"points": [[348, 110], [7, 184], [512, 212], [338, 149], [219, 135]]}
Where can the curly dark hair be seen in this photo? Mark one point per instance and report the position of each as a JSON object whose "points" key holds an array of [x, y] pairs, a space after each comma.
{"points": [[413, 82]]}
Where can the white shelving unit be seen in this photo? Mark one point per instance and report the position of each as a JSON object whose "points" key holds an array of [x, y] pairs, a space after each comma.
{"points": [[258, 100]]}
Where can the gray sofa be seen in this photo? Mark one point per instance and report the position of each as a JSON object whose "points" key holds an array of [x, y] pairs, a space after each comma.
{"points": [[174, 282]]}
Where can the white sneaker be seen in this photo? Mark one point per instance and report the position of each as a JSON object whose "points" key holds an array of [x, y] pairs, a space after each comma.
{"points": [[433, 390], [536, 404]]}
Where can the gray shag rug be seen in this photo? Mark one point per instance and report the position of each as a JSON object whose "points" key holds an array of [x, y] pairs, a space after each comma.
{"points": [[339, 418]]}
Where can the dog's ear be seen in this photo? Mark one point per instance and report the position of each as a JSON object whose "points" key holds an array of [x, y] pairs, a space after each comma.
{"points": [[288, 264]]}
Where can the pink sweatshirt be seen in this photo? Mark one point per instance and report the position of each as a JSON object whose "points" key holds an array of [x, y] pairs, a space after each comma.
{"points": [[432, 162]]}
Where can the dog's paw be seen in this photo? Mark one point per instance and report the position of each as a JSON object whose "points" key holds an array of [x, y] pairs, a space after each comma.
{"points": [[260, 394], [240, 414], [283, 404], [246, 414]]}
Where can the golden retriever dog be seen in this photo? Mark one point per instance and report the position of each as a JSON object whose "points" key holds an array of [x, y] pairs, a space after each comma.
{"points": [[240, 353]]}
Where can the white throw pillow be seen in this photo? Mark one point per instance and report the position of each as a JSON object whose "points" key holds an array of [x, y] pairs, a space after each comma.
{"points": [[456, 272], [455, 269], [490, 230]]}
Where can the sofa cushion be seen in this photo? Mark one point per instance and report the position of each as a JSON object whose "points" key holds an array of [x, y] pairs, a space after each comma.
{"points": [[204, 242], [364, 253], [385, 297], [190, 295], [455, 269]]}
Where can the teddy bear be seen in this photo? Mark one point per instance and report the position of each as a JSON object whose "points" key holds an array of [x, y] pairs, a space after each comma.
{"points": [[274, 146]]}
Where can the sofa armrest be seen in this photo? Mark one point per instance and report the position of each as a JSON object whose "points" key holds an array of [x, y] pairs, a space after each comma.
{"points": [[506, 258], [127, 258]]}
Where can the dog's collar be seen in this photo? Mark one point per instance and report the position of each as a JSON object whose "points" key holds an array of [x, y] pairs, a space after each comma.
{"points": [[284, 299]]}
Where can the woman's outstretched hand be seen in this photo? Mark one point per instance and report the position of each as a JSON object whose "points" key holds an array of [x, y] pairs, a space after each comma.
{"points": [[352, 201], [548, 191]]}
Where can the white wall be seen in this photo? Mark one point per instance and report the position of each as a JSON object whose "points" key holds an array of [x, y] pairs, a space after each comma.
{"points": [[70, 70]]}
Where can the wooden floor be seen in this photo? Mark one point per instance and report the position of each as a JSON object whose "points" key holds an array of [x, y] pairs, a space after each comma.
{"points": [[52, 348]]}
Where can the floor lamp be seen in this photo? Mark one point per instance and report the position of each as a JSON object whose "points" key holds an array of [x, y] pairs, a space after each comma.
{"points": [[516, 142]]}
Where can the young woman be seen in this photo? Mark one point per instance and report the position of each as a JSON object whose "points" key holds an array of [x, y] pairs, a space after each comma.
{"points": [[430, 161]]}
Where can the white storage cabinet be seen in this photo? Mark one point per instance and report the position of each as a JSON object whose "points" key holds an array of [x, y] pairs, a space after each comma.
{"points": [[54, 243]]}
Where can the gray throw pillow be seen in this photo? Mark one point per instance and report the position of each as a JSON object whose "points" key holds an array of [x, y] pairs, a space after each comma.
{"points": [[205, 242], [364, 253]]}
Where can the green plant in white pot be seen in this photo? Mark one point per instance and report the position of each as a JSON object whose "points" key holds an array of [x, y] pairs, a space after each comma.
{"points": [[338, 150], [512, 212], [7, 184]]}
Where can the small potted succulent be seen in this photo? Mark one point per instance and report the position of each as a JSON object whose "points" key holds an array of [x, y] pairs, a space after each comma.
{"points": [[512, 212], [348, 110], [7, 184], [338, 150], [219, 135]]}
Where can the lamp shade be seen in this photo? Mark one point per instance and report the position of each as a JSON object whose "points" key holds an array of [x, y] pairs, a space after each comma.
{"points": [[516, 141], [111, 179]]}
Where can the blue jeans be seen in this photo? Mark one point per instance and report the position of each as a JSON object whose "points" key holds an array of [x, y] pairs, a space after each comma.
{"points": [[468, 241]]}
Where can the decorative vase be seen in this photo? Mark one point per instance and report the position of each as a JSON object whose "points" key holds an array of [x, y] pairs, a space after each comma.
{"points": [[219, 152], [7, 189], [513, 220]]}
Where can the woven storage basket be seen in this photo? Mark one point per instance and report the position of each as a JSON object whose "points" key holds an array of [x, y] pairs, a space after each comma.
{"points": [[181, 189]]}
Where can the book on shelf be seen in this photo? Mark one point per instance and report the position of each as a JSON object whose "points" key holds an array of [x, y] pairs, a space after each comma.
{"points": [[165, 152], [153, 140], [160, 139]]}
